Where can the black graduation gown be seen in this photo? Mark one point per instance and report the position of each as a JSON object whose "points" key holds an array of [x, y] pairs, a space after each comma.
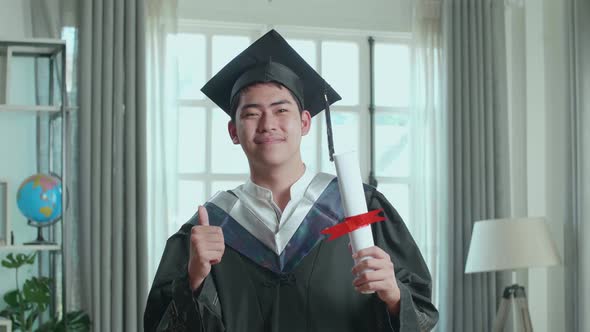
{"points": [[309, 289]]}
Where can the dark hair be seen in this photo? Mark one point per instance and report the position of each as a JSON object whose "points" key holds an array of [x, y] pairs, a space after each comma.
{"points": [[236, 99]]}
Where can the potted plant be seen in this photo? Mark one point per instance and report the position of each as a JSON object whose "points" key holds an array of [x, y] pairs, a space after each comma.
{"points": [[25, 304]]}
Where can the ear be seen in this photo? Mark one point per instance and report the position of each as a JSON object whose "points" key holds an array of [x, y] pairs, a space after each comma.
{"points": [[233, 132], [305, 122]]}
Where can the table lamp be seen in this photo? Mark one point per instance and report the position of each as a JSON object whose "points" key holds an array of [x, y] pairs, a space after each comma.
{"points": [[510, 244]]}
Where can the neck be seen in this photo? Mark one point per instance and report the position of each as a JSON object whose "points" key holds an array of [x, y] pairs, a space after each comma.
{"points": [[278, 180]]}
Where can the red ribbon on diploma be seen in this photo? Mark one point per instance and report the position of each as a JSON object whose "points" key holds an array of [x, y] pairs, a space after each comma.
{"points": [[353, 223]]}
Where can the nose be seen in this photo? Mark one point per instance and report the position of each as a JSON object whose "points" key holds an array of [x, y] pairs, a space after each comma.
{"points": [[267, 122]]}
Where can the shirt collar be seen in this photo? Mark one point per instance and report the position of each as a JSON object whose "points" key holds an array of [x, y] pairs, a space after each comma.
{"points": [[297, 189]]}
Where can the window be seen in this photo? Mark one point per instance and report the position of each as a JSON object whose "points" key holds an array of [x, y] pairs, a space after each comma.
{"points": [[69, 34], [340, 57], [207, 159], [392, 122]]}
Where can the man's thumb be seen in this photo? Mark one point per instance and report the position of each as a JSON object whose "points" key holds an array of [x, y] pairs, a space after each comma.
{"points": [[203, 217]]}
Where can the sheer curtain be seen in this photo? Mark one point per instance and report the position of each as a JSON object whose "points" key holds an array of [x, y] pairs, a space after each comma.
{"points": [[429, 135], [162, 118]]}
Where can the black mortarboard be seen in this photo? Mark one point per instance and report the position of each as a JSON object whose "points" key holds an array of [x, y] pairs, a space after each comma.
{"points": [[272, 59]]}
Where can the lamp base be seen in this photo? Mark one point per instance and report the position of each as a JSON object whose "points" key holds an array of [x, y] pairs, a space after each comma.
{"points": [[513, 296]]}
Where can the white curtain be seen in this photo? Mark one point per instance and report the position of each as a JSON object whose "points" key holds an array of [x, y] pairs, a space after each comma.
{"points": [[429, 135], [162, 118]]}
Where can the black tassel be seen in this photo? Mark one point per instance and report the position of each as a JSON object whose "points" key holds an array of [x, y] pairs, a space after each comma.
{"points": [[329, 128]]}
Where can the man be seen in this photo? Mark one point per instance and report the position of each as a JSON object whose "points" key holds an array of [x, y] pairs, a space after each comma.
{"points": [[254, 258]]}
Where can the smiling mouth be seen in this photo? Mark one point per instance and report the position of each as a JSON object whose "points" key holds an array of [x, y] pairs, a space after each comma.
{"points": [[269, 140]]}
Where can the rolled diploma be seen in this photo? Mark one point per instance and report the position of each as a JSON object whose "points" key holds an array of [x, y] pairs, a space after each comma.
{"points": [[352, 194]]}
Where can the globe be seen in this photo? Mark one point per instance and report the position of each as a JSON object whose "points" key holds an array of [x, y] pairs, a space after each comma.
{"points": [[39, 199]]}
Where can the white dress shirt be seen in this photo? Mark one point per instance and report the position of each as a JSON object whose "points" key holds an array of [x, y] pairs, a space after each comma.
{"points": [[260, 202]]}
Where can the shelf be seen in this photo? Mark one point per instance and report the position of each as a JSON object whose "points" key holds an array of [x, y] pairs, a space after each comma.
{"points": [[24, 247], [6, 324], [34, 47], [29, 108]]}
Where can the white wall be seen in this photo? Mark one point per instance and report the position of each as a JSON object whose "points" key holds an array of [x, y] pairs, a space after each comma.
{"points": [[382, 15], [517, 101], [17, 139], [558, 153], [536, 131], [15, 19]]}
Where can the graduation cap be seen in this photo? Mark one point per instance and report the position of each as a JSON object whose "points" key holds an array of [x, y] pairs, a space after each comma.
{"points": [[272, 59]]}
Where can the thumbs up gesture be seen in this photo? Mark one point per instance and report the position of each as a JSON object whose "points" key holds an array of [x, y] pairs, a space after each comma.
{"points": [[206, 249]]}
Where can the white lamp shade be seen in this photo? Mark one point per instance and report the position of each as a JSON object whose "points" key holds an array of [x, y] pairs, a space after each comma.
{"points": [[507, 244]]}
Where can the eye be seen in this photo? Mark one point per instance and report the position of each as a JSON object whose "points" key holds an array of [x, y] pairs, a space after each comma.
{"points": [[250, 114], [283, 110]]}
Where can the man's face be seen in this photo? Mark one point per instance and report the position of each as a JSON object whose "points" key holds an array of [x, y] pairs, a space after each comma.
{"points": [[268, 125]]}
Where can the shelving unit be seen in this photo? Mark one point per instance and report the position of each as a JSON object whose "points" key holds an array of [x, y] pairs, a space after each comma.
{"points": [[27, 248], [20, 108], [4, 215], [50, 53], [5, 325]]}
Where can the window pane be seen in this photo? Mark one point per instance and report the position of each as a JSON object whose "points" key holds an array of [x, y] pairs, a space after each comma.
{"points": [[225, 48], [392, 75], [69, 35], [305, 48], [191, 194], [226, 157], [391, 145], [192, 60], [340, 67], [309, 147], [346, 137], [191, 139], [399, 196], [224, 185]]}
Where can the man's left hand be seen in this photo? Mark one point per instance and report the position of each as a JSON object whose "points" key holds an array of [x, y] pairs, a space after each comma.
{"points": [[381, 279]]}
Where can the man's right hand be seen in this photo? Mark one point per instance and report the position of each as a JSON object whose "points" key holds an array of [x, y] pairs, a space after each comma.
{"points": [[207, 247]]}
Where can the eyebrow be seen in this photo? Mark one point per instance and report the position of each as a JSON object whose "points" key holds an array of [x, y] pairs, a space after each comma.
{"points": [[280, 102]]}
